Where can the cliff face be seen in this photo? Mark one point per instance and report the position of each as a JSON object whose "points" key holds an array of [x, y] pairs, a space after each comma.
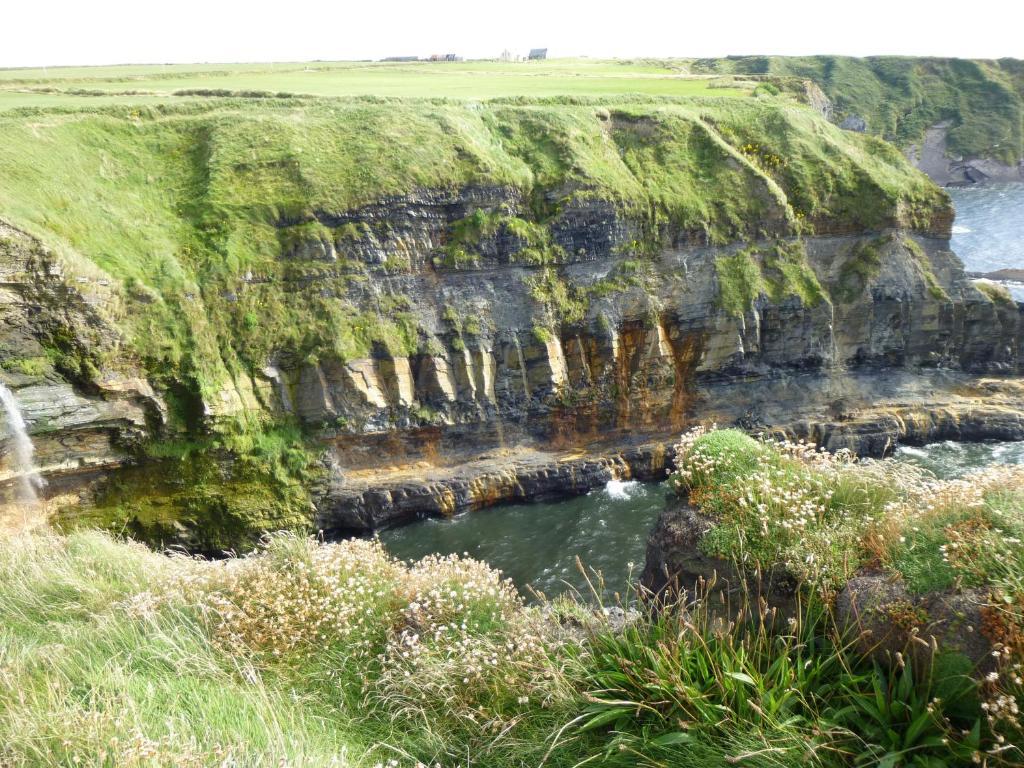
{"points": [[89, 405], [604, 340], [284, 309]]}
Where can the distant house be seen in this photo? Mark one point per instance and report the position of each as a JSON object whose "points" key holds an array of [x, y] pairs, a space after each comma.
{"points": [[401, 58], [445, 57], [538, 53]]}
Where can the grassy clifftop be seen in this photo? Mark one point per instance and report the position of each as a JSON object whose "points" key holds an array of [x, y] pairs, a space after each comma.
{"points": [[181, 206], [900, 97], [147, 84]]}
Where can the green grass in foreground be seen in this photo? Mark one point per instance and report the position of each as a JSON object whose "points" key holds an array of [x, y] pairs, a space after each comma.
{"points": [[87, 678], [318, 655]]}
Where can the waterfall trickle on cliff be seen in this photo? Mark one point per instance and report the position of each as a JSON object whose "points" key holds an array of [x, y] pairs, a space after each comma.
{"points": [[29, 483]]}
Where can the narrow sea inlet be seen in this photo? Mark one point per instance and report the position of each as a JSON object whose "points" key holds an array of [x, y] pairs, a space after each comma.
{"points": [[537, 545]]}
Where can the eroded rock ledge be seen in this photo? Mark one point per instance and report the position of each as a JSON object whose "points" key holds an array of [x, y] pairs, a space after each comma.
{"points": [[940, 406]]}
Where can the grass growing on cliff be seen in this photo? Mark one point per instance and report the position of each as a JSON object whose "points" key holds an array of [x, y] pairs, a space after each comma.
{"points": [[779, 272], [225, 236], [221, 195], [900, 97], [994, 292], [215, 492]]}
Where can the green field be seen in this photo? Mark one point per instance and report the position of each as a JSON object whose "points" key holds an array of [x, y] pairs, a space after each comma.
{"points": [[897, 97], [146, 84]]}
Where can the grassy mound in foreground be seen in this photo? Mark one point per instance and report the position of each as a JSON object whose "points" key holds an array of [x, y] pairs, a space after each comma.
{"points": [[315, 654], [824, 516]]}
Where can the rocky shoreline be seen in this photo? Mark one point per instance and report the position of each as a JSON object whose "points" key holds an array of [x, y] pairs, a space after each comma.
{"points": [[363, 502]]}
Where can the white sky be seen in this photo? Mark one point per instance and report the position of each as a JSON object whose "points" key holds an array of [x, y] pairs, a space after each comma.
{"points": [[52, 32]]}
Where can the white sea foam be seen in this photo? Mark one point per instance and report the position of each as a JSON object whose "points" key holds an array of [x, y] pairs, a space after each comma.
{"points": [[909, 451], [621, 489]]}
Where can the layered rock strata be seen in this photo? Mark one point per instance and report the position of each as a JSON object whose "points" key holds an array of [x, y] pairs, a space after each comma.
{"points": [[598, 279], [87, 403]]}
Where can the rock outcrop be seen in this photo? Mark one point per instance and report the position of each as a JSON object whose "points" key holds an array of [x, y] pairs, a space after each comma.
{"points": [[86, 404], [677, 570], [883, 617]]}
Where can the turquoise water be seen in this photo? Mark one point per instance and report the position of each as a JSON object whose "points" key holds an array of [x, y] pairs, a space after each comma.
{"points": [[536, 545]]}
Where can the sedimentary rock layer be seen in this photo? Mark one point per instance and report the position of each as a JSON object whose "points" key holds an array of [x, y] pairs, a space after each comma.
{"points": [[561, 278]]}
